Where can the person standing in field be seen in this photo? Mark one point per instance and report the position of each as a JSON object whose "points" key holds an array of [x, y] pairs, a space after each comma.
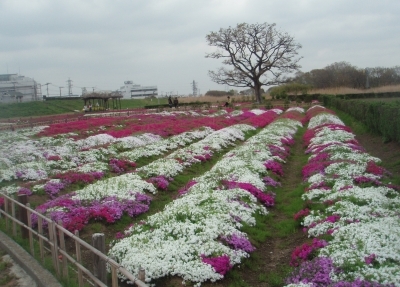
{"points": [[170, 102], [228, 102], [176, 102]]}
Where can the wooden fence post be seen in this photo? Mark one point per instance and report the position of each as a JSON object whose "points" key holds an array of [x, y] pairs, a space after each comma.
{"points": [[99, 265], [6, 203], [141, 274], [30, 231], [62, 247], [78, 259], [14, 224], [40, 231], [54, 246], [23, 214], [114, 276]]}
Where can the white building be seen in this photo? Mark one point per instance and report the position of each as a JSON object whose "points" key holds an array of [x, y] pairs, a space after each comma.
{"points": [[15, 88], [132, 91]]}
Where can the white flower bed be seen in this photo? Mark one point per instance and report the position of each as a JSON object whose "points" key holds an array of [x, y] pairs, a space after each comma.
{"points": [[172, 241], [122, 187], [162, 146], [362, 219]]}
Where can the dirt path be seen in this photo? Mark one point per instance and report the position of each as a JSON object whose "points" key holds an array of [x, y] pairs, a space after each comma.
{"points": [[273, 256]]}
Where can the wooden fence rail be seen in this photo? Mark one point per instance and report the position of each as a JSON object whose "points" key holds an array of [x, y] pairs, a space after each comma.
{"points": [[55, 240]]}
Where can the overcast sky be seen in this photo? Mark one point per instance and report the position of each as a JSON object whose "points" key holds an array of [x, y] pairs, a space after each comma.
{"points": [[102, 43]]}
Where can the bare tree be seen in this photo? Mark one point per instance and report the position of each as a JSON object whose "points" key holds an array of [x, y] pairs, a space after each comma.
{"points": [[259, 54]]}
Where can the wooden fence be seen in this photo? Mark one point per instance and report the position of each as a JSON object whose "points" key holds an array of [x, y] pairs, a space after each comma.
{"points": [[52, 241]]}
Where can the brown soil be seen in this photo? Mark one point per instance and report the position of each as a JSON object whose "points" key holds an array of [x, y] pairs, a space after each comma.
{"points": [[275, 254]]}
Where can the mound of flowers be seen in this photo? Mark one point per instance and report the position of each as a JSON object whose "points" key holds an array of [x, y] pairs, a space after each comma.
{"points": [[105, 200], [358, 211], [36, 159], [24, 158], [199, 151], [198, 236]]}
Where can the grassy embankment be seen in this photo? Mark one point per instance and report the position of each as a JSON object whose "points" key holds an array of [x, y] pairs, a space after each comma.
{"points": [[56, 107]]}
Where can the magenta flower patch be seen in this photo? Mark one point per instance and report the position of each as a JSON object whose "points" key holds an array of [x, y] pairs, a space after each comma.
{"points": [[221, 264], [305, 251], [274, 166], [239, 242], [185, 189], [161, 182], [265, 198], [121, 165]]}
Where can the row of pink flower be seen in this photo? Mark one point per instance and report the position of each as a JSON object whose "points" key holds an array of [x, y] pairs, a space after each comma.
{"points": [[75, 214], [163, 125]]}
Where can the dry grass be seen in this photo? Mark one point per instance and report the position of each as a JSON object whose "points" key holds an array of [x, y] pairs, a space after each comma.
{"points": [[330, 91], [345, 90], [211, 99]]}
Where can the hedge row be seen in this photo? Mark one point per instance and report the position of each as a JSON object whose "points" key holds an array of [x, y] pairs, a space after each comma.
{"points": [[380, 117], [369, 95]]}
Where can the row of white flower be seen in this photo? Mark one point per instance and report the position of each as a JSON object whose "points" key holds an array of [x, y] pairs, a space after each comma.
{"points": [[170, 166], [172, 241], [29, 157], [26, 157], [365, 222], [160, 147], [126, 185]]}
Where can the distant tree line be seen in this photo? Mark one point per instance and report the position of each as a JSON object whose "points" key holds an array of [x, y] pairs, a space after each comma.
{"points": [[343, 74]]}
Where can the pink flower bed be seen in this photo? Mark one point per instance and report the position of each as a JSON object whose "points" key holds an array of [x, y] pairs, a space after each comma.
{"points": [[75, 214]]}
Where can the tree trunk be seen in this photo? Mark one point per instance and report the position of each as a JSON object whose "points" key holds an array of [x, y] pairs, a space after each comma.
{"points": [[257, 92]]}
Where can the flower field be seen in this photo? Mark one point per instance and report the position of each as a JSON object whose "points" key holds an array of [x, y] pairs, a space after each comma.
{"points": [[356, 225], [113, 170]]}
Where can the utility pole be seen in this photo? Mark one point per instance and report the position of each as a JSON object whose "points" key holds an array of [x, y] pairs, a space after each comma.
{"points": [[60, 90], [69, 87], [194, 87], [47, 84]]}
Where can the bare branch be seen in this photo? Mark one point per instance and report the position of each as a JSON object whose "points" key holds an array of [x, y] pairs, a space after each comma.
{"points": [[258, 54]]}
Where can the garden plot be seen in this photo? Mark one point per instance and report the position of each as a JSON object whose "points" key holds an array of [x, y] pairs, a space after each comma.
{"points": [[356, 228]]}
